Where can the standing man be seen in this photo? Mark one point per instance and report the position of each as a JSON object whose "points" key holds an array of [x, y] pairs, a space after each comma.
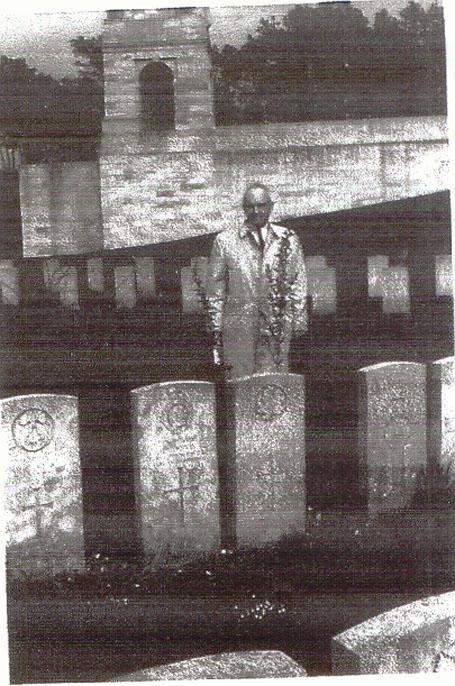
{"points": [[256, 287]]}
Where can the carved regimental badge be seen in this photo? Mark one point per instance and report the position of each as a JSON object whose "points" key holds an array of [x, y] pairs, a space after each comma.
{"points": [[271, 403], [391, 404], [33, 429], [178, 413]]}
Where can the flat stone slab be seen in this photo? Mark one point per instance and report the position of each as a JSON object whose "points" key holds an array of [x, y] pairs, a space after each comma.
{"points": [[413, 638], [254, 664]]}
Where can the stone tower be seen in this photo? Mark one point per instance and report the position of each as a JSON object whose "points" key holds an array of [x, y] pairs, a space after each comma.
{"points": [[151, 53], [158, 100]]}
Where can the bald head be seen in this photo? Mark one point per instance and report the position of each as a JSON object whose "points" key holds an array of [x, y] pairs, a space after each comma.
{"points": [[257, 205]]}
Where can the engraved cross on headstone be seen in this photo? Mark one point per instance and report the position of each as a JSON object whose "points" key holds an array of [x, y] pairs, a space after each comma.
{"points": [[38, 508], [274, 477], [180, 490]]}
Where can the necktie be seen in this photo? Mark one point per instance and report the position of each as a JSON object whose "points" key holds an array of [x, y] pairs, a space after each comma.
{"points": [[261, 240]]}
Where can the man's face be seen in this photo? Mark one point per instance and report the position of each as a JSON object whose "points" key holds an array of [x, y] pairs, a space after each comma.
{"points": [[257, 206]]}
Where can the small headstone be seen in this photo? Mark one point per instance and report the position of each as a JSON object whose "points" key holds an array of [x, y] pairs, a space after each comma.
{"points": [[191, 301], [389, 283], [69, 287], [125, 286], [268, 437], [321, 285], [253, 664], [392, 433], [9, 283], [61, 281], [442, 421], [395, 288], [408, 639], [200, 265], [376, 266], [51, 276], [95, 274], [145, 276], [43, 499], [444, 275], [174, 439]]}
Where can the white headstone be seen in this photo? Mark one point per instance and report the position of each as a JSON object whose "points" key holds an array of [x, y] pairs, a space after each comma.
{"points": [[69, 287], [9, 283], [321, 285], [268, 416], [376, 266], [174, 438], [444, 275], [389, 283], [191, 301], [392, 432], [95, 274], [395, 289], [125, 286], [145, 276], [442, 421], [43, 499], [62, 281]]}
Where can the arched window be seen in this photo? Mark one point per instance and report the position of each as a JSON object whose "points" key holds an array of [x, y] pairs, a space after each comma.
{"points": [[157, 96]]}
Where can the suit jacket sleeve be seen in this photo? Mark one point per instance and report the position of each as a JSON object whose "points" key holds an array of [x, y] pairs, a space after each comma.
{"points": [[217, 284], [299, 289]]}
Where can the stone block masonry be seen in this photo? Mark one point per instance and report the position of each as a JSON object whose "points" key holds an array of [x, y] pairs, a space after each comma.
{"points": [[182, 184]]}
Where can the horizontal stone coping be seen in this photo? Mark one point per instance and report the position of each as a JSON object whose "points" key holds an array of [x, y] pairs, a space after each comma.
{"points": [[164, 384], [39, 396], [445, 360], [383, 365], [285, 135], [399, 622], [261, 375]]}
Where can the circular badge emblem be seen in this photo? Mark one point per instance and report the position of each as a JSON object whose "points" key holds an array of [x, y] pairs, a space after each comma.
{"points": [[33, 429], [179, 413], [271, 403]]}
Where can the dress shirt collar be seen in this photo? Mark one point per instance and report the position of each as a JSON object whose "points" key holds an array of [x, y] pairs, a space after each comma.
{"points": [[278, 231]]}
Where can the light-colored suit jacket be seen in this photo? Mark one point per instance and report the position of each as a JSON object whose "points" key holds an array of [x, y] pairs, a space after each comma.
{"points": [[238, 290]]}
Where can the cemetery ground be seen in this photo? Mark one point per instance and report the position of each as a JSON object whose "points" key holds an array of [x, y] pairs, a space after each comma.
{"points": [[126, 614]]}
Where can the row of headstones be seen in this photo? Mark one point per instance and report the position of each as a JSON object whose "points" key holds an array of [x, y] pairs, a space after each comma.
{"points": [[178, 466], [132, 282], [390, 283], [136, 281]]}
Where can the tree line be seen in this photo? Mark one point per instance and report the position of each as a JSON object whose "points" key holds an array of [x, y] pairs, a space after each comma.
{"points": [[319, 62], [327, 62]]}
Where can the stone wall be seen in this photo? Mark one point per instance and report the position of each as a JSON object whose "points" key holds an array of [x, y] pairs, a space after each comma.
{"points": [[189, 183], [60, 207], [176, 185]]}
